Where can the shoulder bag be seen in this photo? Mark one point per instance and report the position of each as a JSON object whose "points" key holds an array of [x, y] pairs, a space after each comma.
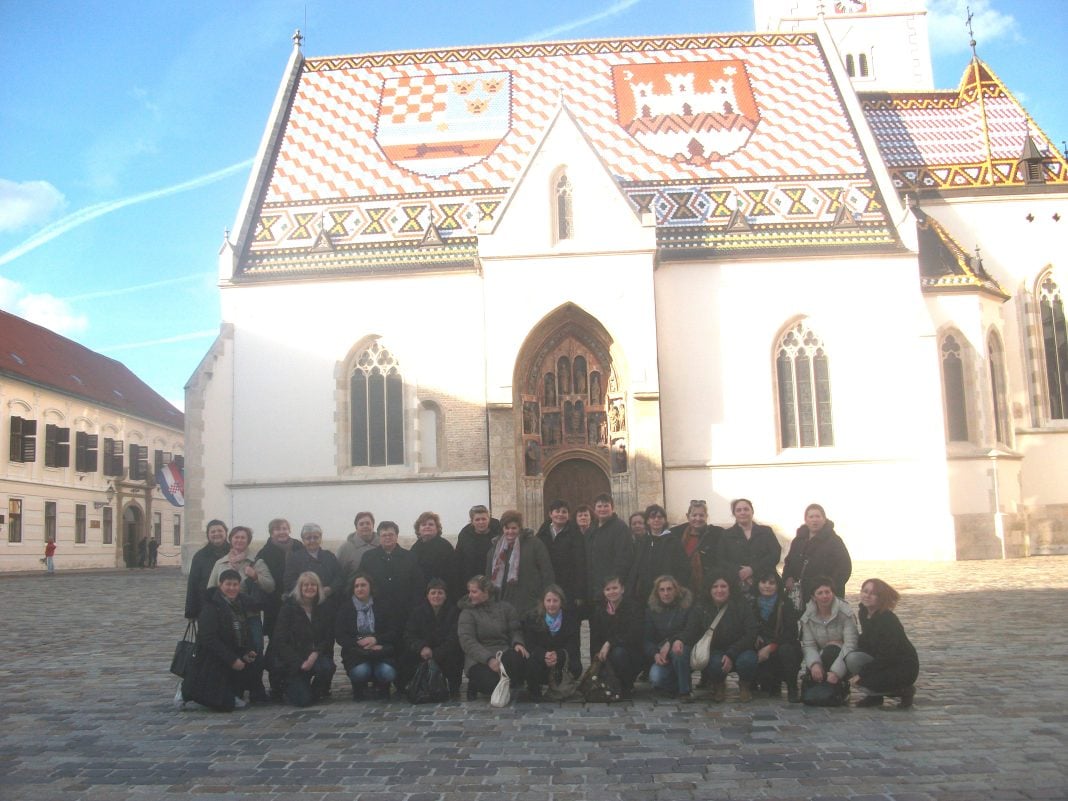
{"points": [[183, 651], [701, 652], [502, 693]]}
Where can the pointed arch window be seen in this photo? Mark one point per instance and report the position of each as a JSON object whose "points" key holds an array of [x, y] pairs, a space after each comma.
{"points": [[851, 69], [1054, 346], [1002, 422], [804, 389], [565, 224], [862, 65], [953, 389], [376, 392]]}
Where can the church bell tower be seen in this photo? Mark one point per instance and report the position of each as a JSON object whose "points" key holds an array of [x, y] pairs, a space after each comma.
{"points": [[882, 43]]}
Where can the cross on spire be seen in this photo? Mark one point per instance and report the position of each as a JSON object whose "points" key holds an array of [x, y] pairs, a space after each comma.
{"points": [[971, 30]]}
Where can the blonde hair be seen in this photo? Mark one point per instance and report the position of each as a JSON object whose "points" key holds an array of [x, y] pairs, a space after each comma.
{"points": [[308, 575]]}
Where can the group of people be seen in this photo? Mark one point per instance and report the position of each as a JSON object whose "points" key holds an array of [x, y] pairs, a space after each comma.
{"points": [[661, 602]]}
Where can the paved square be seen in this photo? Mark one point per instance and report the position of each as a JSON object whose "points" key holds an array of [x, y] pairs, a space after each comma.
{"points": [[85, 713]]}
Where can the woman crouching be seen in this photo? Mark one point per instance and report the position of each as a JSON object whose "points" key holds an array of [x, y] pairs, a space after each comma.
{"points": [[828, 636], [778, 648], [368, 634], [885, 662], [489, 627], [552, 634], [725, 608], [302, 648]]}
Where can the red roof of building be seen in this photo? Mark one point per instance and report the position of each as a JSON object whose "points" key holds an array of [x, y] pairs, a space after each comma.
{"points": [[43, 357]]}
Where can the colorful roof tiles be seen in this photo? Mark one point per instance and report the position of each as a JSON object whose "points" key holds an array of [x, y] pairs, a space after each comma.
{"points": [[956, 140], [378, 148]]}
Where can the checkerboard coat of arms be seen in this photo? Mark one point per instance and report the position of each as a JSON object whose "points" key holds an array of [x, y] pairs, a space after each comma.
{"points": [[691, 112], [434, 125]]}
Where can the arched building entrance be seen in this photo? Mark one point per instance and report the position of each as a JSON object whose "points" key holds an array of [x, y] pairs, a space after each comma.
{"points": [[570, 416], [133, 524], [575, 480]]}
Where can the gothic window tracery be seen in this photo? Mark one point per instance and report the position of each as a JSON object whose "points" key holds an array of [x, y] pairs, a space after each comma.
{"points": [[804, 389], [998, 390], [1054, 346], [376, 392], [953, 389]]}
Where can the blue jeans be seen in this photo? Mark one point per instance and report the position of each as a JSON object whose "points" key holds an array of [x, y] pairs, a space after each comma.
{"points": [[303, 688], [745, 666], [675, 675], [382, 672]]}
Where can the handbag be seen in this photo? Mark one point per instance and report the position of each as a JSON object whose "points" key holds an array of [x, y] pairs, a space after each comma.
{"points": [[428, 685], [823, 693], [562, 682], [183, 651], [502, 693], [702, 651], [599, 684]]}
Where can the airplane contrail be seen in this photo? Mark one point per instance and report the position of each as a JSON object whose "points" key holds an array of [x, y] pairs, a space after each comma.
{"points": [[164, 341], [125, 290], [611, 11], [82, 216]]}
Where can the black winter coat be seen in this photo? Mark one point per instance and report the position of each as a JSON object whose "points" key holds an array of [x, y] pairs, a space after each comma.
{"points": [[665, 624], [896, 664], [609, 552], [471, 549], [760, 552], [199, 572], [398, 580], [623, 629], [388, 632], [566, 641], [658, 556], [296, 636], [210, 678], [275, 559], [437, 559], [325, 565], [436, 632], [812, 556], [734, 634], [782, 627], [567, 553], [702, 563]]}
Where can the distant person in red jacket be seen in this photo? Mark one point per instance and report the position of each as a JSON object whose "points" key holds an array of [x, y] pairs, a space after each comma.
{"points": [[50, 553]]}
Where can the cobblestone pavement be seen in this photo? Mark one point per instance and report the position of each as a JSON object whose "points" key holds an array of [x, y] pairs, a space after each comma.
{"points": [[85, 713]]}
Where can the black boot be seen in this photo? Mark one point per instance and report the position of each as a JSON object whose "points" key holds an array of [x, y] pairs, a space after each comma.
{"points": [[792, 695], [382, 692], [358, 692]]}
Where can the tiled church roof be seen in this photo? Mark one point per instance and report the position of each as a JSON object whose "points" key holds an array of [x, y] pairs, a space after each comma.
{"points": [[39, 356], [734, 142], [945, 266], [958, 140]]}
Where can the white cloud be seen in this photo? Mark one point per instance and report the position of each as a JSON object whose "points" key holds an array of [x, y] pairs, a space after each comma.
{"points": [[947, 24], [28, 203], [42, 308], [613, 10]]}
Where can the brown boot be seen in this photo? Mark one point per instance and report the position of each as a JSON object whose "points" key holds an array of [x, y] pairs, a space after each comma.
{"points": [[745, 694], [719, 691]]}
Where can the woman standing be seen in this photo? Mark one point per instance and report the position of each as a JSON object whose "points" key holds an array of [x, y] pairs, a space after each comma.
{"points": [[551, 633], [660, 553], [368, 634], [519, 565], [667, 618], [700, 543], [747, 549], [731, 649], [302, 648], [616, 630], [489, 627], [431, 633], [828, 635], [777, 646], [816, 551], [885, 662]]}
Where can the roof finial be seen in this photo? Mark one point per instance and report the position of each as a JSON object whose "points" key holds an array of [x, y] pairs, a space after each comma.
{"points": [[971, 30], [298, 38], [978, 258]]}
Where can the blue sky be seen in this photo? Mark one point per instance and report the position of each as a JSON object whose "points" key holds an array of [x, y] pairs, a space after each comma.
{"points": [[127, 129]]}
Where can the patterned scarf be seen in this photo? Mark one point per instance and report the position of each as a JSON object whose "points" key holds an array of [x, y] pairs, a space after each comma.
{"points": [[365, 616], [554, 621], [502, 563]]}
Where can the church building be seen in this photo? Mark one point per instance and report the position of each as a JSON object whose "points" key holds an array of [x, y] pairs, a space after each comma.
{"points": [[776, 265]]}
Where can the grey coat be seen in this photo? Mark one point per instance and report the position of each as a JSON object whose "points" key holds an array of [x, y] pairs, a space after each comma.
{"points": [[535, 573], [486, 629], [351, 552], [816, 634]]}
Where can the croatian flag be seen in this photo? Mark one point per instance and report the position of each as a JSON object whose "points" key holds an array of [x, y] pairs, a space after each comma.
{"points": [[171, 484]]}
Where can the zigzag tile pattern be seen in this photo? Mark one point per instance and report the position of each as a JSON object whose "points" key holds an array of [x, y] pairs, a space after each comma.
{"points": [[329, 159]]}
